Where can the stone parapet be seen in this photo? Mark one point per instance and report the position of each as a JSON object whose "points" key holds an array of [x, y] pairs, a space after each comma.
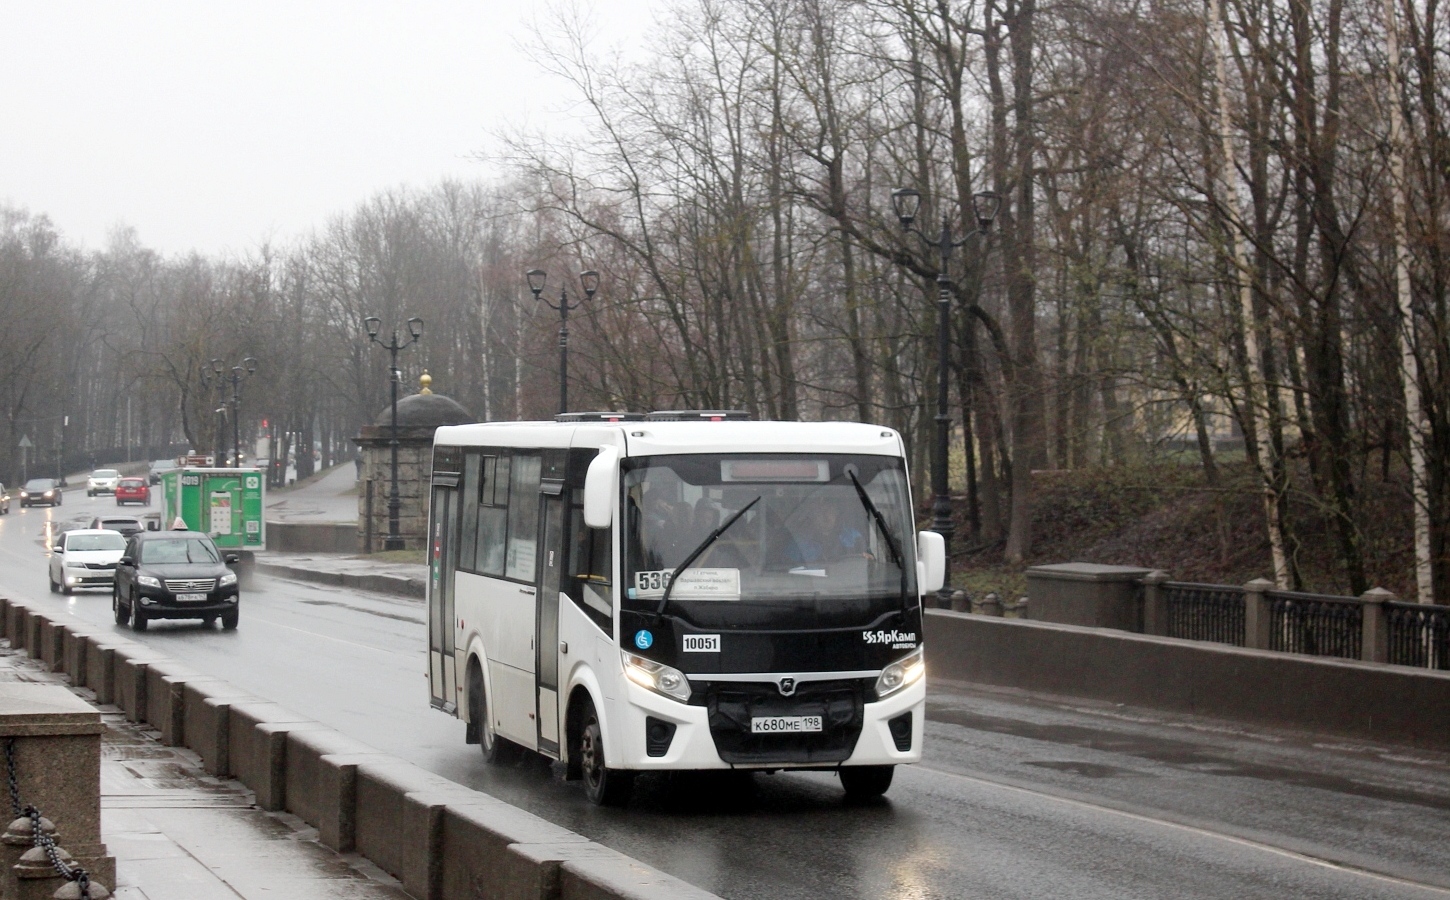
{"points": [[57, 765]]}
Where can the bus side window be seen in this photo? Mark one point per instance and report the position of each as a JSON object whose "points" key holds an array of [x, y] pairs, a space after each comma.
{"points": [[492, 533], [591, 574], [468, 530], [521, 561]]}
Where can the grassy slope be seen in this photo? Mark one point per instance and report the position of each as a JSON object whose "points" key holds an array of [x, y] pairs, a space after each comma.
{"points": [[1164, 517]]}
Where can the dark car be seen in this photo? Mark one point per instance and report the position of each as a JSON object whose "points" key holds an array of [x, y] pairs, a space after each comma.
{"points": [[174, 575], [127, 525], [40, 490], [159, 467]]}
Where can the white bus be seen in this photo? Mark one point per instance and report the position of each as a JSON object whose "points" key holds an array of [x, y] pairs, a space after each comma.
{"points": [[680, 591]]}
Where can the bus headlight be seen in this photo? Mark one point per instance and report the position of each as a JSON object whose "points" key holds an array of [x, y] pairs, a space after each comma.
{"points": [[658, 677], [905, 671]]}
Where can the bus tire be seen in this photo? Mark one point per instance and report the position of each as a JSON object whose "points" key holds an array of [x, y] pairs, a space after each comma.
{"points": [[603, 785], [497, 751], [866, 782]]}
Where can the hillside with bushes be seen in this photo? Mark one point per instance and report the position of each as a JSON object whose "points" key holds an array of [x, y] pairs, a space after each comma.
{"points": [[1166, 517]]}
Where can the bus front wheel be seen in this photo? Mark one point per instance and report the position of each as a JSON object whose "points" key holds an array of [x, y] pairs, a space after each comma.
{"points": [[496, 750], [603, 785], [866, 782]]}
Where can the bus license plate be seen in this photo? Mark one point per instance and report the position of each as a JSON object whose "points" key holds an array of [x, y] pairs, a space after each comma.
{"points": [[191, 598], [784, 724]]}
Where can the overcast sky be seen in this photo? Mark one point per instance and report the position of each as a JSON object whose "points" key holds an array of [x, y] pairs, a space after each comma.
{"points": [[215, 125]]}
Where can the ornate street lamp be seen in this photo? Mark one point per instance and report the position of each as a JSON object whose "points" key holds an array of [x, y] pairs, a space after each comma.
{"points": [[374, 325], [211, 376], [589, 281], [215, 373], [245, 370], [906, 203]]}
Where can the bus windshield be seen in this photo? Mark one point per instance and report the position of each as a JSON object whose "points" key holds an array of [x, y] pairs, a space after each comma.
{"points": [[808, 551]]}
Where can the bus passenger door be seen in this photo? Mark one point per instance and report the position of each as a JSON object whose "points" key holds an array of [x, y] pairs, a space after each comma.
{"points": [[550, 581], [442, 558]]}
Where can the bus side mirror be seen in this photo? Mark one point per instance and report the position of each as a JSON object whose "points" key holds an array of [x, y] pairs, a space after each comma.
{"points": [[601, 488], [931, 561]]}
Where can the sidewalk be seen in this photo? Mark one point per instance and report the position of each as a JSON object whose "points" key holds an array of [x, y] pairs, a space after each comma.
{"points": [[328, 497], [179, 834]]}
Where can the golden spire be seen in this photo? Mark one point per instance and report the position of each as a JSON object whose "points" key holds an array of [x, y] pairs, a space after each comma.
{"points": [[424, 382]]}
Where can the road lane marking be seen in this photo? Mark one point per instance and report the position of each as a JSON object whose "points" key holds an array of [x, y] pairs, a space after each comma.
{"points": [[1191, 829]]}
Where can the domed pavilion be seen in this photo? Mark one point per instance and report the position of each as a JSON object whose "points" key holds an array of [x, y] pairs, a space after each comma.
{"points": [[419, 415]]}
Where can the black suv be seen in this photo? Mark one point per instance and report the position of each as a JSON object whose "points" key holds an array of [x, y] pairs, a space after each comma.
{"points": [[174, 575]]}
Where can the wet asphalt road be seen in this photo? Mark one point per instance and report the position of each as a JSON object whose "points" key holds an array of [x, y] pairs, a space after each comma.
{"points": [[1018, 796]]}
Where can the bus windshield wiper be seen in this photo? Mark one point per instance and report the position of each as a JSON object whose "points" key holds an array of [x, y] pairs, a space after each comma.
{"points": [[885, 533], [704, 545]]}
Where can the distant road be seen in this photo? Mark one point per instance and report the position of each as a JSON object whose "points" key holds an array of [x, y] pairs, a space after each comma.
{"points": [[1017, 797]]}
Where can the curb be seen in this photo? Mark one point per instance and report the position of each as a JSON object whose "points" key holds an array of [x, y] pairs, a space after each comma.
{"points": [[438, 838], [383, 584]]}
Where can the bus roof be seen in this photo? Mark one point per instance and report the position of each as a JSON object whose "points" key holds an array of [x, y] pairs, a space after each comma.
{"points": [[659, 438]]}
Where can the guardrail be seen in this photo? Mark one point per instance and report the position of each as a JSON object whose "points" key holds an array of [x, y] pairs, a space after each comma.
{"points": [[1338, 698], [1418, 634], [1316, 625], [1374, 627], [1205, 612]]}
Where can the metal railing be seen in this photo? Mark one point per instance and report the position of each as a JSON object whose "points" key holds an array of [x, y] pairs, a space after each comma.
{"points": [[1316, 624], [1375, 627], [1419, 634], [1205, 612]]}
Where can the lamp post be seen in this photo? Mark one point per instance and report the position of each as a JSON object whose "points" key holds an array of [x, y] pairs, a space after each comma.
{"points": [[211, 375], [906, 202], [246, 369], [415, 330], [589, 281]]}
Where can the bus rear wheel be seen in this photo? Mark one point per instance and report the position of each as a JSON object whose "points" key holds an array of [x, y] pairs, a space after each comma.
{"points": [[603, 785], [866, 782]]}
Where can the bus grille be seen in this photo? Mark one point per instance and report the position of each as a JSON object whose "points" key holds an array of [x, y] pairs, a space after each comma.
{"points": [[732, 705]]}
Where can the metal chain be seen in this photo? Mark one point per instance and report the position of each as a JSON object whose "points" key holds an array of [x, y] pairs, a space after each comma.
{"points": [[14, 785], [38, 835]]}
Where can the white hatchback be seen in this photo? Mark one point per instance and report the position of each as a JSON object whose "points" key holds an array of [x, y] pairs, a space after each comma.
{"points": [[85, 558]]}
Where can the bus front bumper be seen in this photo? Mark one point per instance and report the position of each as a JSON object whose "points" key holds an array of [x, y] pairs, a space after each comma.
{"points": [[716, 736]]}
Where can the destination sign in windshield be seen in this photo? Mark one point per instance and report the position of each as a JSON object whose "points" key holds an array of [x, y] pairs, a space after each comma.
{"points": [[693, 584]]}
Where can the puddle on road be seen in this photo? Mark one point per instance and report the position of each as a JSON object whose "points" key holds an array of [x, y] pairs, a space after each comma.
{"points": [[1178, 755], [1085, 769], [372, 612]]}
